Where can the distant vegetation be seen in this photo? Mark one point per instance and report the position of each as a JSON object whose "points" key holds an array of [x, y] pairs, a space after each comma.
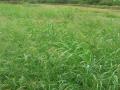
{"points": [[105, 2]]}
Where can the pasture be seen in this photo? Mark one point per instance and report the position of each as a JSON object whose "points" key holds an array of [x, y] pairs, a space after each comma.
{"points": [[59, 47]]}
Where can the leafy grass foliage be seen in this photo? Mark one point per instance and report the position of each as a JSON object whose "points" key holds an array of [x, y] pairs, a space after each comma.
{"points": [[48, 47]]}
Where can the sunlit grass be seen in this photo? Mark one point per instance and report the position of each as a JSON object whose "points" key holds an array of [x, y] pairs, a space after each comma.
{"points": [[50, 47]]}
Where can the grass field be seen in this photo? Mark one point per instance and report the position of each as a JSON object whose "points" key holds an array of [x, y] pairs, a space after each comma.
{"points": [[50, 47]]}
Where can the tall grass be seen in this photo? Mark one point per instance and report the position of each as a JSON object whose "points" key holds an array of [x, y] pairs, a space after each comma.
{"points": [[48, 47]]}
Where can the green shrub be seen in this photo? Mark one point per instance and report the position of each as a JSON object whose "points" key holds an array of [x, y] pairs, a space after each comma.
{"points": [[102, 2]]}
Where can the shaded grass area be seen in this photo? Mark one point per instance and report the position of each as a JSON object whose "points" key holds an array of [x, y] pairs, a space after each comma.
{"points": [[50, 47]]}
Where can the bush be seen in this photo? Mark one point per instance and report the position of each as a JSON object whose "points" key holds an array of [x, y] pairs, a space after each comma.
{"points": [[105, 2]]}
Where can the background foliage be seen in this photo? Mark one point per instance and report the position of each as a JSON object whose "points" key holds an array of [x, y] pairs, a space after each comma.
{"points": [[107, 2]]}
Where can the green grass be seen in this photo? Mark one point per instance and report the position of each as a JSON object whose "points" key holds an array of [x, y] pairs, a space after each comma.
{"points": [[49, 47]]}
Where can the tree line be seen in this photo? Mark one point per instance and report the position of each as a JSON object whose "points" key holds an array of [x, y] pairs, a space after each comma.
{"points": [[107, 2]]}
